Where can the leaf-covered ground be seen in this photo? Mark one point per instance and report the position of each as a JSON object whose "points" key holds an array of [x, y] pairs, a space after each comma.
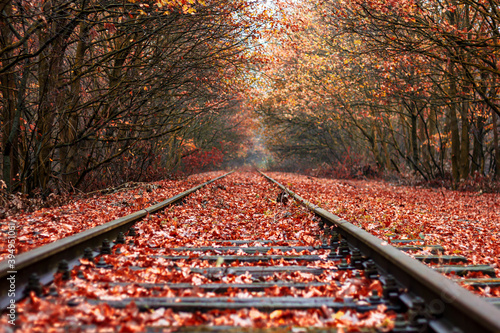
{"points": [[242, 206], [49, 224], [464, 223]]}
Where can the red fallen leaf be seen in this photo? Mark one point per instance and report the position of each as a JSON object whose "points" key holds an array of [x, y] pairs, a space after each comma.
{"points": [[35, 301], [376, 285], [220, 321], [256, 314], [327, 313], [131, 328], [276, 314], [132, 307], [86, 262]]}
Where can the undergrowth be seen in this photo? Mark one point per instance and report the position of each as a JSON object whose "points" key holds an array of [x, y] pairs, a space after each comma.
{"points": [[14, 203], [351, 170]]}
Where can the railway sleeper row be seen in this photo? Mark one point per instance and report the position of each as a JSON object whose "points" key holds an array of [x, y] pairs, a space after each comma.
{"points": [[412, 318], [413, 315], [393, 296]]}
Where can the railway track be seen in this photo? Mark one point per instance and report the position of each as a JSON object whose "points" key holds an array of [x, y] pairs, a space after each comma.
{"points": [[190, 264]]}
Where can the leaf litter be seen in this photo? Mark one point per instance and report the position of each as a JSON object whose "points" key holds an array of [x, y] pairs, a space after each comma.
{"points": [[244, 206]]}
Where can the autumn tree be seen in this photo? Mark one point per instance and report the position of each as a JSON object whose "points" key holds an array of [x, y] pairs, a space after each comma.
{"points": [[90, 87], [411, 84]]}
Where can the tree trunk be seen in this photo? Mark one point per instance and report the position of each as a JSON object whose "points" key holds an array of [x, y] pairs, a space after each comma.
{"points": [[51, 94], [374, 144], [69, 123], [477, 164], [414, 136], [465, 139], [10, 113], [455, 136], [496, 147]]}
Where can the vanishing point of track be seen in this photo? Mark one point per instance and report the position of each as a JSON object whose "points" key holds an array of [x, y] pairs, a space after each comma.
{"points": [[423, 299]]}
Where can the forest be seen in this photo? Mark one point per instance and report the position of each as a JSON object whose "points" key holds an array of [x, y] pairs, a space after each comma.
{"points": [[102, 92], [408, 86], [96, 93]]}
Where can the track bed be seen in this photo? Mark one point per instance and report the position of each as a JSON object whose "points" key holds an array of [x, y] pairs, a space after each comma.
{"points": [[237, 252]]}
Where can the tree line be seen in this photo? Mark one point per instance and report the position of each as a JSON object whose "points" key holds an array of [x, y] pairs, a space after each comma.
{"points": [[408, 85], [99, 91]]}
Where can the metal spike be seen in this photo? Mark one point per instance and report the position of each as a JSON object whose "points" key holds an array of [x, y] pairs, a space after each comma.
{"points": [[343, 248], [106, 247], [34, 285], [64, 269], [101, 263], [132, 232], [88, 254], [120, 239]]}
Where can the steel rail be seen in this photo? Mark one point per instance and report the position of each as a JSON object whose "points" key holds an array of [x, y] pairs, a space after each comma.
{"points": [[443, 297], [45, 259]]}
